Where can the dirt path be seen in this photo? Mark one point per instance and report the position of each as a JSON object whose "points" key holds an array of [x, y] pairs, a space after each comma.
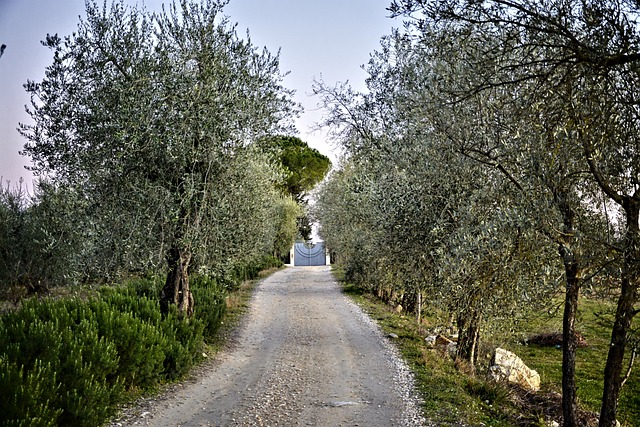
{"points": [[306, 356]]}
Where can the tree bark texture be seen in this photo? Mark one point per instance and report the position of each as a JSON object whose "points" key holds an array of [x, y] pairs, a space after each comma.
{"points": [[176, 290], [569, 395], [624, 314], [572, 271]]}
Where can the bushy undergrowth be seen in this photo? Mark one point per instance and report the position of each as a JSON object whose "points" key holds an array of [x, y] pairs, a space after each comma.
{"points": [[242, 271], [71, 361]]}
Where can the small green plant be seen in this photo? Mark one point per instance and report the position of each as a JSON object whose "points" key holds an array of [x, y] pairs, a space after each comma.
{"points": [[210, 303], [490, 393]]}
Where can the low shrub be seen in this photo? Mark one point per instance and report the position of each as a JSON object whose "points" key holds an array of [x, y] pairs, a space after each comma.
{"points": [[74, 360], [139, 343], [127, 300], [248, 270], [149, 287], [56, 349], [184, 343], [71, 361], [27, 398], [210, 303]]}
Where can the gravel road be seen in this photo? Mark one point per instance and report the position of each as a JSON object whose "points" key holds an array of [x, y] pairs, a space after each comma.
{"points": [[306, 356]]}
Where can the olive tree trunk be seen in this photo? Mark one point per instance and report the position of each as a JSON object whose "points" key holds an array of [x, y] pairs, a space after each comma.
{"points": [[468, 335], [176, 289], [624, 314], [572, 292]]}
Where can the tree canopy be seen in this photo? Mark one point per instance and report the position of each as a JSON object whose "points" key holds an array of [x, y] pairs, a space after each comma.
{"points": [[303, 169], [151, 119], [496, 150]]}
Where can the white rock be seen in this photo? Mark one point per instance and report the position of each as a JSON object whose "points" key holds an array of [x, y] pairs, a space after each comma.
{"points": [[431, 340], [506, 366]]}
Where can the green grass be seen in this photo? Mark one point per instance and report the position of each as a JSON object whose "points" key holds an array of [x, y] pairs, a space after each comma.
{"points": [[237, 307], [594, 322], [450, 397], [453, 398]]}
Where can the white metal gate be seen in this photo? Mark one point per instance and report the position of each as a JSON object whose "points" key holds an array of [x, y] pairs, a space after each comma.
{"points": [[305, 254]]}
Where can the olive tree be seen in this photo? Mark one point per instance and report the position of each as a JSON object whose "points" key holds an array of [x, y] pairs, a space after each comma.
{"points": [[521, 134], [149, 117], [443, 225], [582, 57], [533, 189], [347, 222], [39, 244]]}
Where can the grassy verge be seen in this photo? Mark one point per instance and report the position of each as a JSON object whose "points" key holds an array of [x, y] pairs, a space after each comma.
{"points": [[451, 398], [454, 398]]}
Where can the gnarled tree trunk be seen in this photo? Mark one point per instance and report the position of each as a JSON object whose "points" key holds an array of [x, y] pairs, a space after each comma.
{"points": [[176, 289]]}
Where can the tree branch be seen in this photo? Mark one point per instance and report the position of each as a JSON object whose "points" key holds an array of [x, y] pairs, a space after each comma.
{"points": [[597, 174], [631, 360]]}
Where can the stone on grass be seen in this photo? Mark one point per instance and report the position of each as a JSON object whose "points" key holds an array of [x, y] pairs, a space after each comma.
{"points": [[442, 343], [506, 366], [431, 341]]}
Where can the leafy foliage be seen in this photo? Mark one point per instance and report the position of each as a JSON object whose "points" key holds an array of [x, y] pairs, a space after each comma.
{"points": [[149, 119], [69, 361], [482, 169], [40, 245]]}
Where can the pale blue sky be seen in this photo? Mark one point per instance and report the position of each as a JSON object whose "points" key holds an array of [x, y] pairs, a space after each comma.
{"points": [[328, 38]]}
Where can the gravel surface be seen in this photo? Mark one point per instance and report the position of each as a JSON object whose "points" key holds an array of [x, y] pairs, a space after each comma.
{"points": [[306, 356]]}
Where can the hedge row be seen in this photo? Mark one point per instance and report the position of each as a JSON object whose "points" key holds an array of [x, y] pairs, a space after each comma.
{"points": [[248, 271], [70, 361]]}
